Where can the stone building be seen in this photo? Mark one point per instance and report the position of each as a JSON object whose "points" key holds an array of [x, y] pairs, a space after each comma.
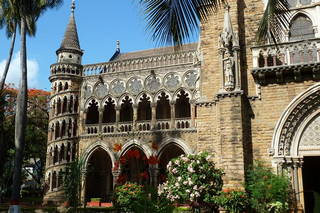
{"points": [[226, 94]]}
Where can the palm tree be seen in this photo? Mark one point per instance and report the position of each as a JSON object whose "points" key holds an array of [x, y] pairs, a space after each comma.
{"points": [[27, 12], [174, 21], [7, 19]]}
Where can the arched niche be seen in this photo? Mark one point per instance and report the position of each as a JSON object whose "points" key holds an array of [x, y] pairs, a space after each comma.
{"points": [[99, 179]]}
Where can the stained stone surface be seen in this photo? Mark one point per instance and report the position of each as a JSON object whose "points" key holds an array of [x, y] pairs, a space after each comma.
{"points": [[135, 85], [117, 87], [87, 91], [101, 90], [172, 81], [153, 83], [191, 78]]}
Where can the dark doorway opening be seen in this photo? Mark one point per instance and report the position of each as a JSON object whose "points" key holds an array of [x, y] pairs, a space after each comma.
{"points": [[311, 183], [99, 182]]}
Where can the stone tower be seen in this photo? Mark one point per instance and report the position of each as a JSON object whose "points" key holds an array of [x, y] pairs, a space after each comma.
{"points": [[65, 78]]}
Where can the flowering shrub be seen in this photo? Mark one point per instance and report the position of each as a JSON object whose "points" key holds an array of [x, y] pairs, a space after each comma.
{"points": [[127, 195], [192, 179], [235, 201]]}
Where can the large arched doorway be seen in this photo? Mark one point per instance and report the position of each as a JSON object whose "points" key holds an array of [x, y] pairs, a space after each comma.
{"points": [[296, 147], [134, 167], [99, 182], [168, 153]]}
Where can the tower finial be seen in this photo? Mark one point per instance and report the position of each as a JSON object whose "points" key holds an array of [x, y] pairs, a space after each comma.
{"points": [[118, 45], [73, 6]]}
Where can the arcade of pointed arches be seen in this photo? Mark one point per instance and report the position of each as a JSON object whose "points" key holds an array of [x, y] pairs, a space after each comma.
{"points": [[108, 168]]}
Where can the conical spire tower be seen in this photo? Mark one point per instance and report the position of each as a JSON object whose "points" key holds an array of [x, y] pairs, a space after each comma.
{"points": [[70, 40]]}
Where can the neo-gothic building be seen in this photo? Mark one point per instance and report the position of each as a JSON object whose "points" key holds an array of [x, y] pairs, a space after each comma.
{"points": [[226, 95]]}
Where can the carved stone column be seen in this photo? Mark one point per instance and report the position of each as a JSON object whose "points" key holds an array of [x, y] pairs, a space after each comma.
{"points": [[117, 117], [173, 114], [135, 117], [50, 182], [100, 119], [83, 186], [193, 107], [154, 174], [115, 174], [153, 115]]}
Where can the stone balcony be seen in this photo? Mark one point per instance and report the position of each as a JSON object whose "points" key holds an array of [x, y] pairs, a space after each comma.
{"points": [[286, 62], [147, 126]]}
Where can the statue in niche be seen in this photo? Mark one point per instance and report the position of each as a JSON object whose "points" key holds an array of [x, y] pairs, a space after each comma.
{"points": [[228, 47], [228, 66]]}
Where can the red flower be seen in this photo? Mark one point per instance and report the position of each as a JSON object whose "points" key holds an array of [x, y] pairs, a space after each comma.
{"points": [[155, 146], [116, 165], [153, 160], [122, 179], [144, 175], [123, 159], [117, 147]]}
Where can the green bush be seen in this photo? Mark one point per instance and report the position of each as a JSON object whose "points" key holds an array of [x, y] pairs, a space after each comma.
{"points": [[267, 191], [235, 201], [135, 198]]}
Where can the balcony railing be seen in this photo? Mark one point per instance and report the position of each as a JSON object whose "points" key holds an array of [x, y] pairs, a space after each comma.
{"points": [[286, 61], [140, 126], [144, 125]]}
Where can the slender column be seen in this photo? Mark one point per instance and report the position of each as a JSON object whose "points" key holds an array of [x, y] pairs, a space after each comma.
{"points": [[295, 181], [173, 114], [50, 182], [65, 153], [192, 106], [154, 174], [153, 115], [115, 175], [117, 117], [135, 116], [71, 151], [100, 119]]}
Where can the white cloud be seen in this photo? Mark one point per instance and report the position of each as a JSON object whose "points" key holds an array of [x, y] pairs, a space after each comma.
{"points": [[14, 71]]}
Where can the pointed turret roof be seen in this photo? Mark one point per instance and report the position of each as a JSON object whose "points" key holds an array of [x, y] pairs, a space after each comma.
{"points": [[71, 40]]}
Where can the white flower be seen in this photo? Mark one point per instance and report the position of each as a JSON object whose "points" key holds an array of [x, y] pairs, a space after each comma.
{"points": [[177, 184], [174, 171], [188, 190], [195, 187], [177, 162], [185, 182], [190, 169], [179, 178]]}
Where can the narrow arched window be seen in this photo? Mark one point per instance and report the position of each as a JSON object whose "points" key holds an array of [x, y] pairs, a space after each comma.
{"points": [[301, 28]]}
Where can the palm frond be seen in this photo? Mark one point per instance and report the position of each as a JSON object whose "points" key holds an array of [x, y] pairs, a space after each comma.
{"points": [[174, 22], [274, 22]]}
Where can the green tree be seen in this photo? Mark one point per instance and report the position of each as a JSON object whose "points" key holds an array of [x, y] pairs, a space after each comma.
{"points": [[174, 21], [27, 12], [36, 136]]}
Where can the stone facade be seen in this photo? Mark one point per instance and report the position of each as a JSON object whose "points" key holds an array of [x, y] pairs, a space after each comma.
{"points": [[226, 95]]}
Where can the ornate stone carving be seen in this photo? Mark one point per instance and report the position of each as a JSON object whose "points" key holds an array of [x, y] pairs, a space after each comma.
{"points": [[101, 90], [153, 83], [191, 78], [86, 90], [303, 109], [172, 81], [228, 49], [311, 135], [117, 87], [135, 85]]}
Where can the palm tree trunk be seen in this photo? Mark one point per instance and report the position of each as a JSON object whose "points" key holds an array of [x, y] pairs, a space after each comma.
{"points": [[6, 69], [20, 119]]}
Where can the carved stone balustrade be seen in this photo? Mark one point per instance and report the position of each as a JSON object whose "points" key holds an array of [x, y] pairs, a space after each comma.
{"points": [[144, 126], [163, 124], [286, 62], [92, 129], [125, 126], [183, 123], [109, 128]]}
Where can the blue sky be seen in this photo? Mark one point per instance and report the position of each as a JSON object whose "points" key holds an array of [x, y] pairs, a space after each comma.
{"points": [[100, 24]]}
